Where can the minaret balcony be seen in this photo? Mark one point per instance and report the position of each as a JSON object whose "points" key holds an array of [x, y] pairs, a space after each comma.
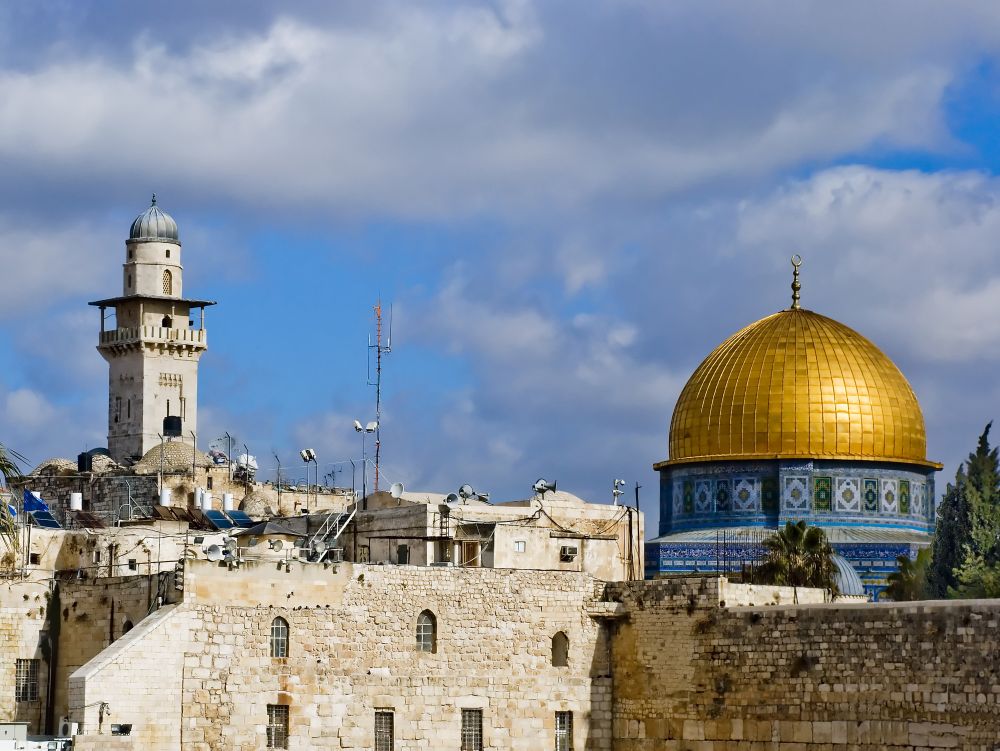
{"points": [[154, 336]]}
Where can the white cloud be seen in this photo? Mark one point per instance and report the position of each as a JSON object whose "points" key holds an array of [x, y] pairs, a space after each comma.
{"points": [[434, 111], [914, 254]]}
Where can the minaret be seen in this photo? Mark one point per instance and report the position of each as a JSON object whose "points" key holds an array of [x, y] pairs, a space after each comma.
{"points": [[154, 345]]}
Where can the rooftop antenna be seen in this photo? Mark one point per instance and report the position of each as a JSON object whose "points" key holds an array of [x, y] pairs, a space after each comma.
{"points": [[618, 492], [796, 286], [379, 348]]}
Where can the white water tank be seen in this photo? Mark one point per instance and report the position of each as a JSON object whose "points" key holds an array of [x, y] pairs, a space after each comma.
{"points": [[206, 501], [165, 497], [227, 502], [76, 501]]}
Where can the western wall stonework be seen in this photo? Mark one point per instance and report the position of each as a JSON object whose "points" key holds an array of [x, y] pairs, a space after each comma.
{"points": [[352, 650], [689, 674], [652, 665]]}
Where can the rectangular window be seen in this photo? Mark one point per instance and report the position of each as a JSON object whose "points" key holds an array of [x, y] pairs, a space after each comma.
{"points": [[472, 730], [383, 730], [97, 556], [564, 731], [403, 554], [133, 564], [208, 483], [520, 546], [277, 726], [35, 559], [26, 681]]}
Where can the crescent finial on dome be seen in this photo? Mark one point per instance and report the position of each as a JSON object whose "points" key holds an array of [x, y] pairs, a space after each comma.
{"points": [[796, 286]]}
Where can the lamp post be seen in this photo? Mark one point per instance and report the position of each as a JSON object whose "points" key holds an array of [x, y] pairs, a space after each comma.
{"points": [[364, 430], [308, 455]]}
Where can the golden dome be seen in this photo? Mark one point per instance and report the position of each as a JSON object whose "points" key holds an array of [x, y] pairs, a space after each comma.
{"points": [[797, 385]]}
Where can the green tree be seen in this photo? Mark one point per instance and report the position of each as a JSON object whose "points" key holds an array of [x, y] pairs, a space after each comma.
{"points": [[952, 533], [798, 556], [967, 540], [910, 581], [979, 573]]}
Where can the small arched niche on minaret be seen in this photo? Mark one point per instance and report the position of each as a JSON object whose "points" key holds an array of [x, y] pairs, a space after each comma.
{"points": [[151, 339]]}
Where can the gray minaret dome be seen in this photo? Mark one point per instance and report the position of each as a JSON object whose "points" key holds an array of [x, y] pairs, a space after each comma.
{"points": [[154, 225]]}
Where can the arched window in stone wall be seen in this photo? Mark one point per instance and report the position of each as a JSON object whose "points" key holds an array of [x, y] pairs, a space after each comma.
{"points": [[168, 283], [126, 627], [560, 650], [279, 637], [426, 632]]}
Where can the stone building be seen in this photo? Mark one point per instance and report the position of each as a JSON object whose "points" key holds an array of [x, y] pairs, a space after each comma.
{"points": [[795, 417], [557, 532]]}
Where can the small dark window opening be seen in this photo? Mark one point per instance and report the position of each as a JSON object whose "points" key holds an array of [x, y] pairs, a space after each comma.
{"points": [[402, 554], [168, 253], [166, 322], [126, 627], [209, 482], [131, 254], [128, 409], [34, 558], [560, 650], [279, 638], [133, 564], [426, 632]]}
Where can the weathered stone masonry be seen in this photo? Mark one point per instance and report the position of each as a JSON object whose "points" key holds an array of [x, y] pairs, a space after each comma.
{"points": [[883, 676], [653, 665]]}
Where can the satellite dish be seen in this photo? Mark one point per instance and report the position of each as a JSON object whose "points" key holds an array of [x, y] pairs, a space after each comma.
{"points": [[451, 498], [319, 546], [396, 491], [276, 544], [466, 491], [214, 553], [252, 541]]}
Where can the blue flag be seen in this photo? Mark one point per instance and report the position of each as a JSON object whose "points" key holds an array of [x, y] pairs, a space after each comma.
{"points": [[33, 502], [12, 510]]}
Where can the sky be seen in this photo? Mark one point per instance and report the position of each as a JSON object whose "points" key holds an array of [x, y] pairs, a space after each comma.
{"points": [[568, 206]]}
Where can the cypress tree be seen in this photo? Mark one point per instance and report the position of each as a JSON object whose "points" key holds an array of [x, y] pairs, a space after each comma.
{"points": [[954, 529], [979, 573]]}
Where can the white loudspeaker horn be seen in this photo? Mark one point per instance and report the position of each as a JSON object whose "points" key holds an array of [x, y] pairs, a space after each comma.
{"points": [[213, 553]]}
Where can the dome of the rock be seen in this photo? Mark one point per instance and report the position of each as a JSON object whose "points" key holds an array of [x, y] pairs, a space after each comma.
{"points": [[797, 384]]}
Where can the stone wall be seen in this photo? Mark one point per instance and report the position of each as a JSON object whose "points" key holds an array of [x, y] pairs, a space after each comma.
{"points": [[94, 614], [352, 650], [138, 678], [23, 608], [688, 674]]}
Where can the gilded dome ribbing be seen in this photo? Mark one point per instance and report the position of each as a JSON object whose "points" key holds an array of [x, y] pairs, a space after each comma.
{"points": [[797, 384]]}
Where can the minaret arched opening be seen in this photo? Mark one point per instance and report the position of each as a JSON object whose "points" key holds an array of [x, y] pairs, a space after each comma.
{"points": [[168, 282]]}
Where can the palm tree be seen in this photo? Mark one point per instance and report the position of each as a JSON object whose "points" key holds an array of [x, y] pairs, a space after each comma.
{"points": [[798, 556], [909, 582], [9, 461]]}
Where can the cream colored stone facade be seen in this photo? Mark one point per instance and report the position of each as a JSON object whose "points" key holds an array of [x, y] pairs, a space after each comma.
{"points": [[152, 351]]}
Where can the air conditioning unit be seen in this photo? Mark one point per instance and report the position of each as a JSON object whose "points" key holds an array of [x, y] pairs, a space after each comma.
{"points": [[567, 553], [67, 728]]}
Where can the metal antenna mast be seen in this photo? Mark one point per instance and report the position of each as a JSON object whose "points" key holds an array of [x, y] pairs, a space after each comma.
{"points": [[379, 349]]}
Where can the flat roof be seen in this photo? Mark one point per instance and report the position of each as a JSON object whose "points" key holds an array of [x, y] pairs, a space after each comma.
{"points": [[157, 298]]}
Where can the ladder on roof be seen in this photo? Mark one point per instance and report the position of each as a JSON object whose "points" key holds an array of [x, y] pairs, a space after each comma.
{"points": [[332, 528]]}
